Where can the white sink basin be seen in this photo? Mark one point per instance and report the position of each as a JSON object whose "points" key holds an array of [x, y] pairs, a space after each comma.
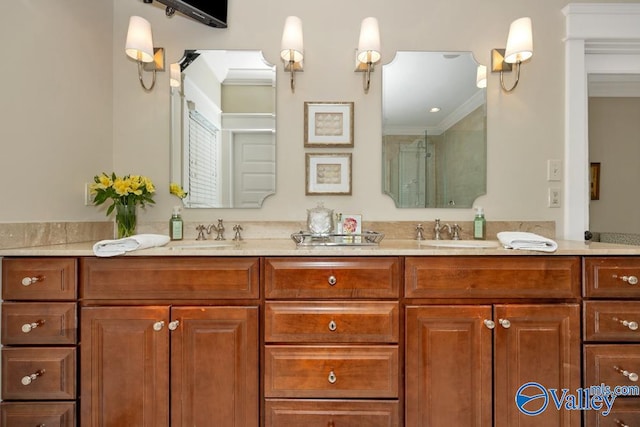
{"points": [[202, 245], [463, 244]]}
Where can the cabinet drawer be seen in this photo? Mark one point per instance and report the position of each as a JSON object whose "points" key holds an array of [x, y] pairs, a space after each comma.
{"points": [[348, 277], [607, 277], [611, 321], [613, 365], [336, 322], [53, 371], [39, 323], [337, 413], [32, 414], [331, 371], [38, 279], [625, 412], [502, 277], [190, 278]]}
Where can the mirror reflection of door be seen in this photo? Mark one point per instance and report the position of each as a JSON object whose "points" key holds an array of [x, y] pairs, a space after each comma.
{"points": [[254, 168], [614, 155]]}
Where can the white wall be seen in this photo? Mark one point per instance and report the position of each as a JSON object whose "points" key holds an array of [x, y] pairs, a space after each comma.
{"points": [[72, 71]]}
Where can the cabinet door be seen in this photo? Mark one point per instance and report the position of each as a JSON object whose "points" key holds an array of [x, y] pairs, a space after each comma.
{"points": [[214, 367], [125, 366], [536, 343], [448, 366]]}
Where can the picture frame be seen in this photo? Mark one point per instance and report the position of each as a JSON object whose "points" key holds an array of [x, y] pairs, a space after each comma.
{"points": [[352, 223], [328, 173], [328, 124], [594, 181]]}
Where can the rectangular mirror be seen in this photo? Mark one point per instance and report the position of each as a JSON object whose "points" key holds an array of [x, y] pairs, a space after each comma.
{"points": [[434, 130], [223, 129]]}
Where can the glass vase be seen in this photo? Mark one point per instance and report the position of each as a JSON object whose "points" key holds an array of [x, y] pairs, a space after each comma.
{"points": [[126, 220]]}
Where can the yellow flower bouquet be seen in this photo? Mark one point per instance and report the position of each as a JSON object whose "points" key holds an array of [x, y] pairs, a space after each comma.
{"points": [[125, 193]]}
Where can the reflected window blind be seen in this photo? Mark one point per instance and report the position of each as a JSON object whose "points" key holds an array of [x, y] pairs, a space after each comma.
{"points": [[203, 161]]}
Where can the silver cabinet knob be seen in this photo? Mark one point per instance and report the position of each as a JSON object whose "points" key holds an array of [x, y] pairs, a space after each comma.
{"points": [[28, 379], [631, 375], [158, 326], [28, 327], [631, 280], [174, 325], [504, 323], [332, 377], [333, 326], [490, 324], [27, 281], [631, 324], [332, 280]]}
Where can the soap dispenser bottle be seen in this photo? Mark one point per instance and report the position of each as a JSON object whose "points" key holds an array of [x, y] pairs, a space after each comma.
{"points": [[175, 224], [479, 225]]}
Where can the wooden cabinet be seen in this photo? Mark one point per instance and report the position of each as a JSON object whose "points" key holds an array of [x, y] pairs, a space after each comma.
{"points": [[331, 333], [611, 335], [39, 337], [175, 364], [465, 363]]}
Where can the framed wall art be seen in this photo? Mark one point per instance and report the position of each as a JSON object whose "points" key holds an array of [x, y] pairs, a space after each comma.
{"points": [[328, 124], [328, 173]]}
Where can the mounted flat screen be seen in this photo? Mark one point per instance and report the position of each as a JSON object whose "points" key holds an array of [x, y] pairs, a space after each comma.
{"points": [[211, 13]]}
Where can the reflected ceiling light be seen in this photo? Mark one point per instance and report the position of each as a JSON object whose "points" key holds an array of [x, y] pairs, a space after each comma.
{"points": [[368, 52], [291, 50], [481, 76], [175, 75], [519, 49], [434, 109], [139, 46]]}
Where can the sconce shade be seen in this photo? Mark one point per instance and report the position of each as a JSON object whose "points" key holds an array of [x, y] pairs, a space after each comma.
{"points": [[174, 75], [519, 42], [292, 43], [481, 76], [139, 45], [369, 41]]}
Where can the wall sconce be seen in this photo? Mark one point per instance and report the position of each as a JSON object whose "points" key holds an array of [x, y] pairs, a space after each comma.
{"points": [[175, 75], [481, 76], [519, 49], [139, 46], [291, 50], [368, 52]]}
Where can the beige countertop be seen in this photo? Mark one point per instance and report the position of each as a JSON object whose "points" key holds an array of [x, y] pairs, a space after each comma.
{"points": [[286, 247]]}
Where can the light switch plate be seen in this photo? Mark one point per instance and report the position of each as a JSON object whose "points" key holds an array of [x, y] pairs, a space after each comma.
{"points": [[554, 170], [555, 198], [88, 197]]}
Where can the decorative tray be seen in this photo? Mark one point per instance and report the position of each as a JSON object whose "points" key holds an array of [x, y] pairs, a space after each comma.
{"points": [[366, 238]]}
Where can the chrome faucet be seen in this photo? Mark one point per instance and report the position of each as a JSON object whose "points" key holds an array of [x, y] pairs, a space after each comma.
{"points": [[219, 229], [439, 228], [419, 232]]}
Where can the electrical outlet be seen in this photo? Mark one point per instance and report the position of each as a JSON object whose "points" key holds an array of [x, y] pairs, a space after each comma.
{"points": [[555, 198], [88, 197], [554, 170]]}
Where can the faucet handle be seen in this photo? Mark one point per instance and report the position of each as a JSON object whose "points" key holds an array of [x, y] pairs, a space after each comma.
{"points": [[455, 232], [419, 232]]}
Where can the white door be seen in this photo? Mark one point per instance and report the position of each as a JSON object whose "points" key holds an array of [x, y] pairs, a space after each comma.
{"points": [[254, 168]]}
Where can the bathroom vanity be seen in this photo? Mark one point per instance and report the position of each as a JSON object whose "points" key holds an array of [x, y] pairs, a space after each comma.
{"points": [[267, 334]]}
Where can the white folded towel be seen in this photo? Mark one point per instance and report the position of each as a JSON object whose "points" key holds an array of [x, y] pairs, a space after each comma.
{"points": [[107, 248], [526, 241]]}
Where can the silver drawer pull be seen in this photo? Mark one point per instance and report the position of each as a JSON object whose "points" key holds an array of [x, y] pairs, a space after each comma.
{"points": [[158, 326], [28, 379], [631, 375], [26, 281], [332, 280], [332, 378], [490, 324], [620, 423], [174, 325], [505, 323], [632, 280], [28, 327], [629, 324], [333, 326]]}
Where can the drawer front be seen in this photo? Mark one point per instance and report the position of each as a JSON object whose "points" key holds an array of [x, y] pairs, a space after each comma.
{"points": [[613, 365], [33, 414], [331, 371], [607, 277], [39, 279], [38, 373], [612, 321], [336, 413], [625, 412], [331, 322], [189, 278], [502, 277], [348, 277], [39, 323]]}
